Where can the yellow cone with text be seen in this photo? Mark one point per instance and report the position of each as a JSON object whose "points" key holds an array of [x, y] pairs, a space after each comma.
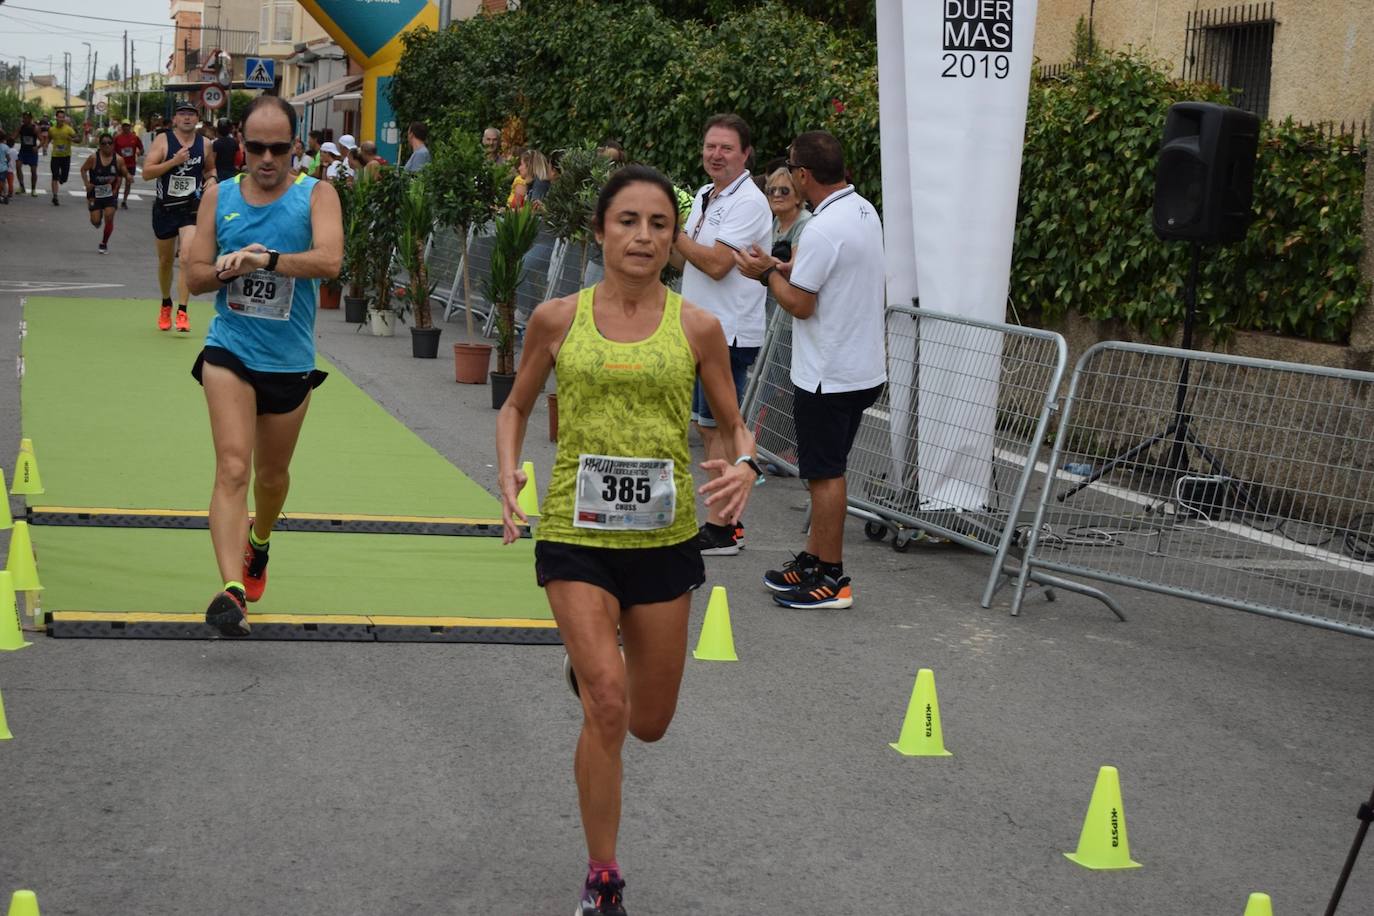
{"points": [[528, 499], [6, 520], [5, 734], [24, 903], [717, 640], [21, 563], [1259, 905], [11, 627], [26, 479], [1103, 843], [922, 735]]}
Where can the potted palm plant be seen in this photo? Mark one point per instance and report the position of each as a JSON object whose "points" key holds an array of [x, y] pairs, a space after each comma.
{"points": [[571, 201], [467, 190], [417, 225], [354, 275], [515, 232], [383, 235]]}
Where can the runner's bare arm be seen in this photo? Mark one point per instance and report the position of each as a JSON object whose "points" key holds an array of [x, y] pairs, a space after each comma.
{"points": [[199, 264], [548, 325], [157, 164], [86, 170], [736, 481]]}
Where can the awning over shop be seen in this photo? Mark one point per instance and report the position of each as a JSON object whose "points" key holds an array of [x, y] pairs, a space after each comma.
{"points": [[327, 91]]}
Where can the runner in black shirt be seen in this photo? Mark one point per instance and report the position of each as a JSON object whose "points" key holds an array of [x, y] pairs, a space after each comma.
{"points": [[226, 149]]}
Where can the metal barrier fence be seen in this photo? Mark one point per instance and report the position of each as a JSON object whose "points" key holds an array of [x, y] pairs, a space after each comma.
{"points": [[950, 446], [543, 266], [1250, 488]]}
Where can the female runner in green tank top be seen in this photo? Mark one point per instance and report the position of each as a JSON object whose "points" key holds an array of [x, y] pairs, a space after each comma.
{"points": [[614, 546]]}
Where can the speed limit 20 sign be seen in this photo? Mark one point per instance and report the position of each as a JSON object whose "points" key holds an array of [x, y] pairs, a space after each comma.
{"points": [[212, 97]]}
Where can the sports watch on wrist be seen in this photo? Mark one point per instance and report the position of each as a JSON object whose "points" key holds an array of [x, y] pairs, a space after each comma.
{"points": [[763, 277], [272, 256], [753, 466]]}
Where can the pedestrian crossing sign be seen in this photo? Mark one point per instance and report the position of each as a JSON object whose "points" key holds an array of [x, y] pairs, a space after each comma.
{"points": [[259, 73]]}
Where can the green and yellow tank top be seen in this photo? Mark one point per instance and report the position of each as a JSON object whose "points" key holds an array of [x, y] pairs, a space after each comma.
{"points": [[623, 410]]}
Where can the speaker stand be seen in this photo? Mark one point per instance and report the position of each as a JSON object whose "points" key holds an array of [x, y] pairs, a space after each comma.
{"points": [[1179, 429]]}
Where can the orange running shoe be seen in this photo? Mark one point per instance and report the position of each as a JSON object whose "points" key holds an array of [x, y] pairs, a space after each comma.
{"points": [[254, 572], [183, 320], [164, 318]]}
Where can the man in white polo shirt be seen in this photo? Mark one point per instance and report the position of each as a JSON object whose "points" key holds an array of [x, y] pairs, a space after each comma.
{"points": [[834, 291], [728, 215]]}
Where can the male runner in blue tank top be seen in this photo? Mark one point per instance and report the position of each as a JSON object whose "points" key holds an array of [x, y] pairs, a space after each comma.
{"points": [[263, 240]]}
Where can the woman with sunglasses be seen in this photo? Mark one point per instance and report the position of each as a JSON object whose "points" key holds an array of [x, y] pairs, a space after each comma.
{"points": [[102, 173], [789, 216], [263, 241]]}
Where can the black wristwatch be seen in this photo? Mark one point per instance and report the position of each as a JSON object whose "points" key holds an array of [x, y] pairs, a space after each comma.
{"points": [[272, 255], [753, 466], [763, 277]]}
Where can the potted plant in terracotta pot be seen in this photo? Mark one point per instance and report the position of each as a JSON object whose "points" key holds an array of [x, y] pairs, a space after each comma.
{"points": [[467, 190], [383, 235], [515, 232], [353, 201], [417, 225]]}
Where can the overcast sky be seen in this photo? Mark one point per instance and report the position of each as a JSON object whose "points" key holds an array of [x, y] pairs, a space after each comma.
{"points": [[39, 29]]}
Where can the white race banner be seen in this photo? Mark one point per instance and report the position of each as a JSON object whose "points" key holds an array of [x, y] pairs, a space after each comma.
{"points": [[965, 66]]}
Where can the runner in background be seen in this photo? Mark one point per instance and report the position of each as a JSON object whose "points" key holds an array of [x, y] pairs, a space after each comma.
{"points": [[102, 173], [128, 148], [180, 177], [62, 135], [28, 153]]}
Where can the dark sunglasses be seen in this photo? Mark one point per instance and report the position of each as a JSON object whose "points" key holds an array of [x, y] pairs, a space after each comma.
{"points": [[779, 192], [793, 166], [257, 148]]}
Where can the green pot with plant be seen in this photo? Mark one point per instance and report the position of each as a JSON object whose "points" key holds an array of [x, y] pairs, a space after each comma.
{"points": [[417, 225], [515, 234]]}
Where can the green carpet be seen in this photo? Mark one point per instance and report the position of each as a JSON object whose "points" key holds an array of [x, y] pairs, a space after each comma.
{"points": [[117, 421], [156, 570]]}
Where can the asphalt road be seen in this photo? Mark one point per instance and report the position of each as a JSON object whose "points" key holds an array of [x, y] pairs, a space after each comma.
{"points": [[199, 778]]}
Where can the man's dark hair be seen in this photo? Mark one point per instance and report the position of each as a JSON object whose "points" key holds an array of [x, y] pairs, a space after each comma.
{"points": [[225, 127], [271, 101], [420, 130], [821, 154], [733, 122], [624, 177], [317, 136]]}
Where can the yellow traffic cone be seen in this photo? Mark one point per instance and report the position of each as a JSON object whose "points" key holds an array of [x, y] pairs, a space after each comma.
{"points": [[1103, 843], [5, 734], [529, 493], [26, 479], [24, 903], [21, 563], [717, 640], [1259, 905], [921, 733], [6, 520], [11, 627]]}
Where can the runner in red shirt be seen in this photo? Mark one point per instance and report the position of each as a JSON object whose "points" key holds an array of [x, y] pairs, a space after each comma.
{"points": [[128, 148]]}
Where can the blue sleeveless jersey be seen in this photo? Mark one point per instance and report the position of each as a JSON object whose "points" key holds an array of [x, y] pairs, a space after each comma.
{"points": [[267, 345]]}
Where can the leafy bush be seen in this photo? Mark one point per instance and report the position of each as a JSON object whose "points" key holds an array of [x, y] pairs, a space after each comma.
{"points": [[579, 71], [1084, 239]]}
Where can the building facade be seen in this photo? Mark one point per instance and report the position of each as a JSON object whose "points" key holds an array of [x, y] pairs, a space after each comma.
{"points": [[1312, 60]]}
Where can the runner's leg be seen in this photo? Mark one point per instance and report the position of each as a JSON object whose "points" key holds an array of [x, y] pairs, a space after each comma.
{"points": [[655, 637], [588, 618], [233, 420], [186, 234], [109, 224], [277, 434], [166, 254]]}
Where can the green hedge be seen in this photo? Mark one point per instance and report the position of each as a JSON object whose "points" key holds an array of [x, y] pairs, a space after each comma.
{"points": [[1084, 239], [577, 71], [580, 70]]}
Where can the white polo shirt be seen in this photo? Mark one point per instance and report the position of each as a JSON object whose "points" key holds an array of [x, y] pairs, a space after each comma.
{"points": [[738, 216], [840, 259]]}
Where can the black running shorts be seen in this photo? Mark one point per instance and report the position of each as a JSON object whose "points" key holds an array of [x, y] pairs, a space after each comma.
{"points": [[636, 575], [277, 392], [61, 168], [826, 426], [94, 203], [167, 223]]}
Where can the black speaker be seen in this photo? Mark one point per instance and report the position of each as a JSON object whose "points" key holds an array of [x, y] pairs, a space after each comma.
{"points": [[1206, 173]]}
